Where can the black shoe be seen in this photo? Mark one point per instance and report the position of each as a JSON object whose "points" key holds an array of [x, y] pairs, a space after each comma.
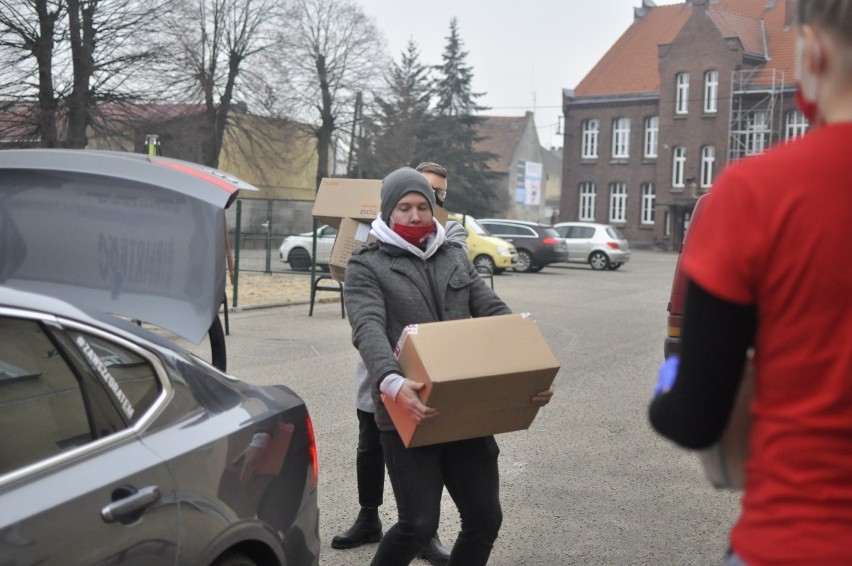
{"points": [[435, 552], [367, 528]]}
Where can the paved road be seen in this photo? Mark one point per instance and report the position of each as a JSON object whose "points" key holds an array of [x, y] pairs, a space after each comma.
{"points": [[588, 483]]}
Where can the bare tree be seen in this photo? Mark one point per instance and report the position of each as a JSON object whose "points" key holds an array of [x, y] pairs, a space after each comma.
{"points": [[335, 51], [84, 54], [216, 43]]}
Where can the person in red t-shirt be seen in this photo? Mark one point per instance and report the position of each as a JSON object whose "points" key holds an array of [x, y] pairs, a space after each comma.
{"points": [[766, 269]]}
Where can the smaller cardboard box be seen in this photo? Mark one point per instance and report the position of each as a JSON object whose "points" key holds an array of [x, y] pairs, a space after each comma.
{"points": [[480, 375], [350, 236], [358, 199]]}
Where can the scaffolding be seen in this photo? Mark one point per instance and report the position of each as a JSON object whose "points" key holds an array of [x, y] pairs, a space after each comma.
{"points": [[756, 111]]}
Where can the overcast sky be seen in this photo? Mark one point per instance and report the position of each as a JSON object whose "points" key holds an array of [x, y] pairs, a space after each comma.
{"points": [[523, 52]]}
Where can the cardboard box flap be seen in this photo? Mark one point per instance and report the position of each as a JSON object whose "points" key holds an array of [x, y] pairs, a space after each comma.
{"points": [[347, 198]]}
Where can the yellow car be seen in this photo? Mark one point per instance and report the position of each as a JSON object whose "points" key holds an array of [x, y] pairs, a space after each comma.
{"points": [[485, 251]]}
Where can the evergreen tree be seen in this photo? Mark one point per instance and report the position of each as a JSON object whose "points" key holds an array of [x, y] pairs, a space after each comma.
{"points": [[453, 93], [449, 136], [390, 136]]}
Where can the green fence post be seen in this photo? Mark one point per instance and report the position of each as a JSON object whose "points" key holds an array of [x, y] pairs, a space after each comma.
{"points": [[237, 252]]}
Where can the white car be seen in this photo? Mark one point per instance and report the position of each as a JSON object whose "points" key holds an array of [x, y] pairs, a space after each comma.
{"points": [[600, 245], [296, 249]]}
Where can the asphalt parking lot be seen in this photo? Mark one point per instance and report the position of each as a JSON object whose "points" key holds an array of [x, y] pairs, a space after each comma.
{"points": [[588, 483]]}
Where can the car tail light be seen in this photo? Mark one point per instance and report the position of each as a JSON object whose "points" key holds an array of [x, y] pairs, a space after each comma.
{"points": [[312, 451], [612, 245], [550, 241]]}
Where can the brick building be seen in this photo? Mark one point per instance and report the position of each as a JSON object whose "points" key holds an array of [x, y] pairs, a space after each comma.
{"points": [[686, 89]]}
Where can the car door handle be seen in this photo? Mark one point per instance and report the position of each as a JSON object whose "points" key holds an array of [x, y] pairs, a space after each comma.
{"points": [[129, 503]]}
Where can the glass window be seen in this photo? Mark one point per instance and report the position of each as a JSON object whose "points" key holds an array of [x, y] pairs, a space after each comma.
{"points": [[618, 202], [678, 166], [757, 137], [649, 199], [587, 201], [682, 93], [652, 135], [796, 125], [711, 91], [621, 137], [130, 381], [42, 412], [708, 165], [590, 139]]}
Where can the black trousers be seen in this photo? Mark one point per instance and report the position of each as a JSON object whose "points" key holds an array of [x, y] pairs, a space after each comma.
{"points": [[369, 462], [468, 468]]}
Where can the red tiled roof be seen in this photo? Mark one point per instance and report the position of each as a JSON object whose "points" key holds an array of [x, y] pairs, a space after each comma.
{"points": [[631, 64], [501, 136]]}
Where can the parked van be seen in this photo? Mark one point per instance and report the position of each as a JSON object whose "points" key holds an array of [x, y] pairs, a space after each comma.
{"points": [[486, 252], [677, 299]]}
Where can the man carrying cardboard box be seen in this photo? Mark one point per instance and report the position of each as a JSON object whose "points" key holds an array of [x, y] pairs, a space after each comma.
{"points": [[370, 460], [412, 276]]}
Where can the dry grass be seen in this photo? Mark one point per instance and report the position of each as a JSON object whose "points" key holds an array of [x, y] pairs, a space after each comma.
{"points": [[256, 289]]}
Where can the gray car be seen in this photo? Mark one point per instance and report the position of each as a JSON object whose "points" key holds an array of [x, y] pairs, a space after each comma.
{"points": [[600, 245], [538, 244], [117, 445]]}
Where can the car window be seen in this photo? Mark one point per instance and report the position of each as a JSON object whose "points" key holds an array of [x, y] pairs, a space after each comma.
{"points": [[328, 232], [549, 233], [129, 380], [60, 391], [614, 233], [563, 231], [585, 232], [42, 411], [474, 227]]}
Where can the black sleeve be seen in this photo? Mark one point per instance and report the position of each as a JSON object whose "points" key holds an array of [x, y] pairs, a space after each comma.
{"points": [[716, 337]]}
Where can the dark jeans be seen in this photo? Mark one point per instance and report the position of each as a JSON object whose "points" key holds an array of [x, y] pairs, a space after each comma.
{"points": [[469, 470], [369, 462]]}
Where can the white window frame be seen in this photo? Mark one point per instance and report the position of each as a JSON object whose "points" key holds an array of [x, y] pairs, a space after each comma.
{"points": [[621, 138], [796, 125], [757, 135], [618, 202], [652, 136], [682, 93], [711, 92], [649, 203], [679, 167], [708, 165], [590, 134], [588, 194]]}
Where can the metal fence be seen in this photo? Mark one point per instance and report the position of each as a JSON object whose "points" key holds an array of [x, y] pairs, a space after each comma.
{"points": [[256, 228]]}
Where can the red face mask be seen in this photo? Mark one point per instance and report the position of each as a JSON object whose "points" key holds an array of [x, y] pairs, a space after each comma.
{"points": [[807, 107], [414, 235]]}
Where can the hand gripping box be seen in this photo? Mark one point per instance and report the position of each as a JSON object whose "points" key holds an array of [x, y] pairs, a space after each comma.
{"points": [[480, 375]]}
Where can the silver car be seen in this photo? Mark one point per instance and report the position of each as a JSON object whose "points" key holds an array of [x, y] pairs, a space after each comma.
{"points": [[117, 445], [600, 245]]}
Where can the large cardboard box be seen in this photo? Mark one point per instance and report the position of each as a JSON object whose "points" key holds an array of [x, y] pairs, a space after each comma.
{"points": [[358, 199], [350, 236], [480, 375], [347, 198]]}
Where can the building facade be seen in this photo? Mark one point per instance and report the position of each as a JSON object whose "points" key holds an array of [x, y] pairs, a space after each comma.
{"points": [[522, 168], [685, 90]]}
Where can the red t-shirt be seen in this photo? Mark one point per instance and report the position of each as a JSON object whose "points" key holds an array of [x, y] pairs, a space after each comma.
{"points": [[776, 233]]}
